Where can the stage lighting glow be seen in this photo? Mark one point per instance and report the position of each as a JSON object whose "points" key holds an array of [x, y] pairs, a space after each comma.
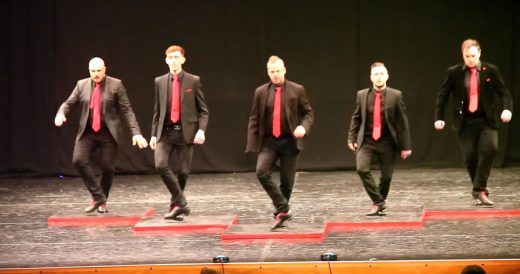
{"points": [[329, 257], [221, 259]]}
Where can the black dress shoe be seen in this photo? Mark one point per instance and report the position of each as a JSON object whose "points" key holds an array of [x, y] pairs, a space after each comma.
{"points": [[93, 206], [102, 208], [280, 220], [377, 210], [175, 213]]}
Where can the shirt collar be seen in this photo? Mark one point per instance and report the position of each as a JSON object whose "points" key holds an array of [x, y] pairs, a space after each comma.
{"points": [[102, 82], [273, 86], [479, 66], [374, 90], [179, 75]]}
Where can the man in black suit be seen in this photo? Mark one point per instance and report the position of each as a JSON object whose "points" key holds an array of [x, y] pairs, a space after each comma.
{"points": [[379, 127], [281, 116], [475, 86], [180, 119], [104, 108]]}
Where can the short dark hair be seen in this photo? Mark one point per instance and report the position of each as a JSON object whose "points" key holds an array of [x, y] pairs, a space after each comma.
{"points": [[473, 269], [173, 48], [206, 270], [377, 64], [469, 43]]}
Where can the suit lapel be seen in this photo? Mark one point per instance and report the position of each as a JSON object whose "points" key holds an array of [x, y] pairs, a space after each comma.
{"points": [[263, 101], [285, 97], [183, 86], [364, 100], [465, 81], [104, 94], [482, 78], [88, 88], [383, 98], [384, 93], [163, 91]]}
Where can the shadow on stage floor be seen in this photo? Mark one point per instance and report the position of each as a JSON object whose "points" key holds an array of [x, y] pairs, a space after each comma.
{"points": [[430, 215]]}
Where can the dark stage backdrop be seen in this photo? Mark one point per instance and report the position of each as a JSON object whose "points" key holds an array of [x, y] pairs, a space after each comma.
{"points": [[328, 47]]}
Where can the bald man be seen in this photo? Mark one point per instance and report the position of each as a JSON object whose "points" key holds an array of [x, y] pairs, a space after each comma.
{"points": [[104, 109], [280, 118]]}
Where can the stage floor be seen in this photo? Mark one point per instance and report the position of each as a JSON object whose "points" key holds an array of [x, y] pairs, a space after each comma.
{"points": [[28, 240]]}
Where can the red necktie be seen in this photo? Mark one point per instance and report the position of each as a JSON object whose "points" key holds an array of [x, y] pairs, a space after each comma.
{"points": [[176, 106], [95, 105], [473, 90], [376, 126], [277, 117]]}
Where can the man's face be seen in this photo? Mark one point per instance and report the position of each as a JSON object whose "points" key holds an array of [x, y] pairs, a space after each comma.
{"points": [[175, 60], [379, 76], [97, 71], [276, 72], [471, 56]]}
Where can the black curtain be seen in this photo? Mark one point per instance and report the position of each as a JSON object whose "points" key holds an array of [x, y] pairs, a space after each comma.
{"points": [[27, 81], [327, 46]]}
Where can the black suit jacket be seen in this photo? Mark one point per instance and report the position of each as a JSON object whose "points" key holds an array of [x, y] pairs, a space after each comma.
{"points": [[194, 112], [296, 108], [394, 115], [114, 104], [491, 87]]}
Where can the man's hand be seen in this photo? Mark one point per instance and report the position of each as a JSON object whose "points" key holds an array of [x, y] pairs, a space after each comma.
{"points": [[299, 132], [200, 137], [59, 119], [439, 125], [352, 146], [506, 115], [139, 140], [406, 153], [153, 142]]}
